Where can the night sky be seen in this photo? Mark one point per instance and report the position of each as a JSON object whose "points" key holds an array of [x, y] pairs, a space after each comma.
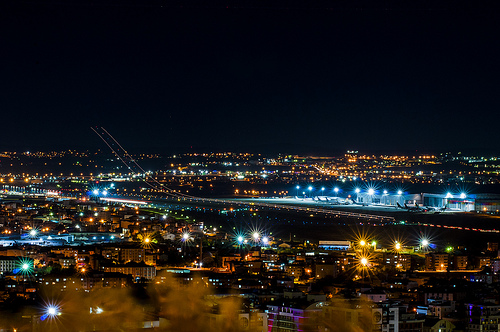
{"points": [[168, 76]]}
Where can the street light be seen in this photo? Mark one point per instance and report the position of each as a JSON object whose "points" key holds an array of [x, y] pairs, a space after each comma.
{"points": [[322, 191], [52, 311], [336, 191], [364, 261], [310, 189], [298, 187]]}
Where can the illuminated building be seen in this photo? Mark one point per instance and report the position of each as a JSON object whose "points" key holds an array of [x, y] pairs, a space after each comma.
{"points": [[436, 262], [292, 317], [136, 270]]}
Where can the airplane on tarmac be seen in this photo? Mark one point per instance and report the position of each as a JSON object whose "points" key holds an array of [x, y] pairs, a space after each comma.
{"points": [[436, 209], [417, 208]]}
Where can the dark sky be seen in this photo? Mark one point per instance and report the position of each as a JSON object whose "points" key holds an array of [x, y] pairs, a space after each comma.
{"points": [[321, 77]]}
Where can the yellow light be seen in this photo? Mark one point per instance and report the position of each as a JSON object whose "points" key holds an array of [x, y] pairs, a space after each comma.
{"points": [[362, 243], [398, 245], [364, 261]]}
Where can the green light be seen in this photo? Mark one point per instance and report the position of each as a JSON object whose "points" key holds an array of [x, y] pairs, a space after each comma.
{"points": [[448, 249], [25, 266]]}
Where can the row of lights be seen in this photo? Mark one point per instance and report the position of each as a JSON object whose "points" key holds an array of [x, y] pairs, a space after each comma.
{"points": [[371, 191]]}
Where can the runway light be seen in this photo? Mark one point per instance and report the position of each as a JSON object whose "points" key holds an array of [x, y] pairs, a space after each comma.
{"points": [[425, 243], [357, 190], [255, 236], [336, 189], [33, 232], [265, 240], [385, 192], [400, 192], [462, 195], [449, 195], [95, 192], [240, 239], [371, 192]]}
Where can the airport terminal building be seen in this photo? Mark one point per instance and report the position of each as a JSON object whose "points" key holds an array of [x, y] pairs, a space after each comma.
{"points": [[480, 203]]}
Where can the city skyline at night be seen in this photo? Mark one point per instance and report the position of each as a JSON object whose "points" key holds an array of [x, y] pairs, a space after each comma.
{"points": [[249, 166]]}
